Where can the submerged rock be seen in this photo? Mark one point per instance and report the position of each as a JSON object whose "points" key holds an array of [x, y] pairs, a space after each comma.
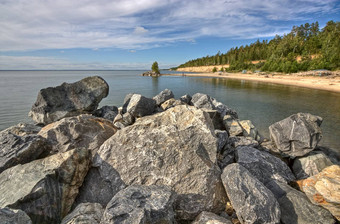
{"points": [[45, 189], [296, 135], [13, 216], [210, 218], [67, 100], [85, 213], [163, 96]]}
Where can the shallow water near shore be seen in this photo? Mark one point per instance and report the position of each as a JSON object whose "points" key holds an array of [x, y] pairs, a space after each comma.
{"points": [[262, 103]]}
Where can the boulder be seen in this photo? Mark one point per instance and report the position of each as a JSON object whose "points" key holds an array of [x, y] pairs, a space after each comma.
{"points": [[13, 216], [332, 154], [85, 213], [126, 102], [186, 99], [222, 137], [264, 166], [23, 129], [107, 112], [163, 96], [176, 148], [50, 185], [252, 201], [16, 149], [310, 165], [171, 103], [140, 106], [141, 204], [296, 135], [210, 218], [215, 117], [67, 100], [74, 132], [323, 189], [249, 130], [296, 208]]}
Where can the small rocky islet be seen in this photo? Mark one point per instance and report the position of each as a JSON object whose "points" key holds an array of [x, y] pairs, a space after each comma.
{"points": [[161, 160]]}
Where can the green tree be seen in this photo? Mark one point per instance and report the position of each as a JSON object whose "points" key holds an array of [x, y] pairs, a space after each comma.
{"points": [[214, 69], [155, 68]]}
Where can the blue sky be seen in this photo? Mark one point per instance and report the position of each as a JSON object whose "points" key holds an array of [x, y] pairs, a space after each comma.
{"points": [[131, 34]]}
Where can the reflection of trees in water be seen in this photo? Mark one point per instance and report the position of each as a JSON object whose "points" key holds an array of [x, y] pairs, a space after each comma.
{"points": [[155, 84]]}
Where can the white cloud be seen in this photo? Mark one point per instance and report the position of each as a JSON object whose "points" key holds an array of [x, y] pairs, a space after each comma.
{"points": [[63, 24]]}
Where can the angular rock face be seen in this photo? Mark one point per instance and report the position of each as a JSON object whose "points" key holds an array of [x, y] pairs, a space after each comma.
{"points": [[186, 99], [296, 208], [107, 112], [171, 103], [16, 149], [141, 204], [23, 129], [210, 218], [66, 100], [296, 135], [163, 96], [140, 106], [14, 216], [264, 166], [50, 185], [252, 201], [85, 213], [176, 148], [249, 130], [310, 165], [83, 131], [323, 189]]}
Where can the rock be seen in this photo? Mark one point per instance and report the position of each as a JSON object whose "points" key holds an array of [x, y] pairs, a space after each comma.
{"points": [[141, 204], [252, 201], [75, 132], [216, 118], [50, 185], [16, 149], [171, 103], [242, 141], [122, 121], [13, 216], [222, 137], [151, 73], [210, 218], [249, 130], [126, 102], [264, 166], [23, 129], [163, 96], [323, 189], [296, 135], [176, 148], [107, 112], [296, 208], [234, 128], [186, 99], [332, 154], [140, 106], [85, 213], [310, 165], [67, 100]]}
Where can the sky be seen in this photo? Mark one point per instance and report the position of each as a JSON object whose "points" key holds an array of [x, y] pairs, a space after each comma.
{"points": [[132, 34]]}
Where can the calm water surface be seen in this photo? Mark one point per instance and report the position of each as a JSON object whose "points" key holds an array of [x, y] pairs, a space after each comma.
{"points": [[262, 103]]}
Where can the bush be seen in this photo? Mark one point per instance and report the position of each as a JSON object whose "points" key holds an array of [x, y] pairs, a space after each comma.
{"points": [[214, 69]]}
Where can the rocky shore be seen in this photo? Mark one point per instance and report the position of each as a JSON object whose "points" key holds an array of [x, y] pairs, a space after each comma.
{"points": [[162, 160]]}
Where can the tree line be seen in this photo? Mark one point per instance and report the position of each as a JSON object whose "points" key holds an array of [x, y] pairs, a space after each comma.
{"points": [[306, 47]]}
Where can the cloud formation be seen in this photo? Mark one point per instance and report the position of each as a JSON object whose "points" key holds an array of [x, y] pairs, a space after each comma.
{"points": [[141, 24]]}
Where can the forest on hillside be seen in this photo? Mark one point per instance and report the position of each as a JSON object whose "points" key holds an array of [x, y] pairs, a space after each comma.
{"points": [[306, 47]]}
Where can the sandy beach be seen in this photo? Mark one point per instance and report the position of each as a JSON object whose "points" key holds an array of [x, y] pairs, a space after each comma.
{"points": [[330, 83]]}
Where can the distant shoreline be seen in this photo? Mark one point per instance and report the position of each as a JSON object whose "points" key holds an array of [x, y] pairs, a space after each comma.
{"points": [[322, 83]]}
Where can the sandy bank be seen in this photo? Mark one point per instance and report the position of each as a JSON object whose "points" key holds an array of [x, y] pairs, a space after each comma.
{"points": [[330, 83]]}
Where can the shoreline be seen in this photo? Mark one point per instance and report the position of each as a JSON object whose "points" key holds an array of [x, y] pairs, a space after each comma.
{"points": [[322, 83]]}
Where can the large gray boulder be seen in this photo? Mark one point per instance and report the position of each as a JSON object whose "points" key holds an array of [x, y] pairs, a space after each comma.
{"points": [[83, 131], [176, 148], [67, 100], [45, 189], [296, 135], [141, 204], [16, 149], [163, 96], [140, 106], [85, 213], [210, 218], [13, 216], [23, 129], [252, 201], [264, 166], [107, 112]]}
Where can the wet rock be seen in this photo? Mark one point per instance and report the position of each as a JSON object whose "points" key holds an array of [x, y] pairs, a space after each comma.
{"points": [[67, 100], [83, 131], [13, 216], [163, 96], [140, 106], [208, 217], [141, 204], [296, 135], [16, 149], [23, 129], [107, 112], [323, 189], [85, 213], [186, 99], [310, 165], [264, 166], [176, 148], [50, 185], [252, 201]]}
